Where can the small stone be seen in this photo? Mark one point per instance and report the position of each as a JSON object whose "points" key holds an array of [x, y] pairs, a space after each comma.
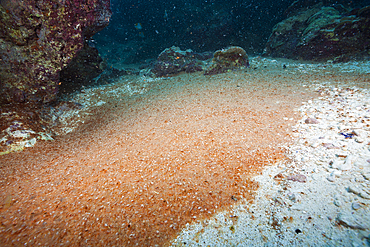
{"points": [[364, 195], [331, 178], [336, 173], [298, 178], [336, 164], [337, 203], [356, 205], [359, 140], [342, 155], [343, 166], [333, 147], [327, 145], [359, 179], [292, 197], [311, 121], [359, 132], [30, 143], [279, 200], [351, 221], [278, 177], [315, 144], [348, 163], [354, 190]]}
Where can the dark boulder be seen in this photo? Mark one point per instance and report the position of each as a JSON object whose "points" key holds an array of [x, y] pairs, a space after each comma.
{"points": [[173, 60], [322, 33], [228, 59]]}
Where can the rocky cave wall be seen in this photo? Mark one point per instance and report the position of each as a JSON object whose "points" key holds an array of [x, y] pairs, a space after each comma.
{"points": [[38, 38]]}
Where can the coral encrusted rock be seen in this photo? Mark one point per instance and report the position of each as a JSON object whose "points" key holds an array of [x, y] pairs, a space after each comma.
{"points": [[38, 39], [173, 60], [322, 33], [228, 59]]}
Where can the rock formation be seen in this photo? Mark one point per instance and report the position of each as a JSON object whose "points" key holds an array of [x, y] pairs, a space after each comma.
{"points": [[38, 39], [224, 60], [322, 33]]}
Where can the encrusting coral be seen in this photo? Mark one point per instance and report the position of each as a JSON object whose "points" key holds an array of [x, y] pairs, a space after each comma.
{"points": [[228, 59]]}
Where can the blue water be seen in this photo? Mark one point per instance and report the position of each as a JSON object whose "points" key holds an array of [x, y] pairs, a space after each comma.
{"points": [[201, 25]]}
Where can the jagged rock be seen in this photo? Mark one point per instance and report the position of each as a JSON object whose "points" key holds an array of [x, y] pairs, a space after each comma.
{"points": [[173, 60], [322, 33], [39, 39]]}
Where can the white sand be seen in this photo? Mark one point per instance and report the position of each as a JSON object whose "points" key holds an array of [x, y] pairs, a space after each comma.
{"points": [[330, 209]]}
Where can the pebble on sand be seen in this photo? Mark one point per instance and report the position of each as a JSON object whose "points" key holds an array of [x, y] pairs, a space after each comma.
{"points": [[298, 178], [311, 121]]}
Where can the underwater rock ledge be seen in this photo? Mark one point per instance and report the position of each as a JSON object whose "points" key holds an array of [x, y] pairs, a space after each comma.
{"points": [[322, 33], [37, 40]]}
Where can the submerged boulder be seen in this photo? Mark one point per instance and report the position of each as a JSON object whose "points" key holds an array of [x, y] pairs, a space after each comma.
{"points": [[38, 39], [228, 59], [322, 33], [173, 60]]}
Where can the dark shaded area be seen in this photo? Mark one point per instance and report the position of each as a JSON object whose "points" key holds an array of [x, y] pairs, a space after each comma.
{"points": [[111, 74], [198, 25], [81, 70]]}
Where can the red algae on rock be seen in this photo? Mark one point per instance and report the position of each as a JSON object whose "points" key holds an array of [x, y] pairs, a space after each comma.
{"points": [[231, 58], [38, 39]]}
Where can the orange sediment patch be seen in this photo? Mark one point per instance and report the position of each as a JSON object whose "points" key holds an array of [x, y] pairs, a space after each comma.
{"points": [[143, 167]]}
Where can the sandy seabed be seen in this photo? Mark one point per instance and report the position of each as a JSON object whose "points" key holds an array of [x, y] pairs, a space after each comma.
{"points": [[155, 154]]}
